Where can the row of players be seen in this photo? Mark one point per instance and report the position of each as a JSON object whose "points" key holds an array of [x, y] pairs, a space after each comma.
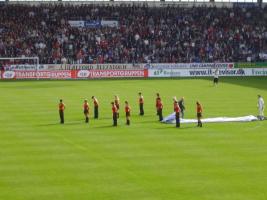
{"points": [[178, 107]]}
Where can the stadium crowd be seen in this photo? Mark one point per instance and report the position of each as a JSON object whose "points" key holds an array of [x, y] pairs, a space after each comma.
{"points": [[145, 34]]}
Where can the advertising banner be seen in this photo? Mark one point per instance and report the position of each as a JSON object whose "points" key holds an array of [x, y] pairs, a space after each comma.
{"points": [[188, 65], [206, 72], [93, 73], [29, 67], [62, 74], [110, 23], [111, 73], [76, 24], [92, 24], [24, 67], [73, 74], [259, 72], [251, 65], [102, 66]]}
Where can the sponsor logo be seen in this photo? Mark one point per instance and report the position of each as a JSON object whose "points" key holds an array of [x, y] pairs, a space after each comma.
{"points": [[166, 73], [76, 24], [222, 72], [116, 73], [83, 73], [9, 74], [259, 72]]}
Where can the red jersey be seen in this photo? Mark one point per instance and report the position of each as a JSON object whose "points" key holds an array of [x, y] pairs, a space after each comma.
{"points": [[127, 109], [86, 106], [114, 109], [61, 106], [141, 100], [158, 100], [199, 108], [159, 105], [176, 108], [95, 103]]}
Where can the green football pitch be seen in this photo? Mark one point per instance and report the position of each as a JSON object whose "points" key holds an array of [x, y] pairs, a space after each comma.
{"points": [[41, 159]]}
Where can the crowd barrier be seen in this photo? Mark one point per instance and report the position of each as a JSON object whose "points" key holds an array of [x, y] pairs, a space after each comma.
{"points": [[141, 73]]}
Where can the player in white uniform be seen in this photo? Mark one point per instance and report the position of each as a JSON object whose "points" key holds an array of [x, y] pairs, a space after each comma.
{"points": [[261, 107], [216, 76]]}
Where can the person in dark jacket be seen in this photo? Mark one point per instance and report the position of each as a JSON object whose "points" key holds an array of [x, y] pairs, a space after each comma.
{"points": [[182, 107]]}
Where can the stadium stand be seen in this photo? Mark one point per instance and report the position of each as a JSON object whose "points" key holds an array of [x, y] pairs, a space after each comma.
{"points": [[144, 34]]}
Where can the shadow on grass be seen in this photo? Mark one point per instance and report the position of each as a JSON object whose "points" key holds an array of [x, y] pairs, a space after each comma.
{"points": [[172, 126], [106, 126], [59, 124], [147, 122]]}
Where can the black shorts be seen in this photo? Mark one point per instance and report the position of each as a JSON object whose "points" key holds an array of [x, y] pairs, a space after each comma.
{"points": [[199, 115], [86, 112], [215, 80], [128, 114]]}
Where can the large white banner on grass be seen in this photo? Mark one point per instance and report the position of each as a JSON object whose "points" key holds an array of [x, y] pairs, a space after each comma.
{"points": [[206, 72]]}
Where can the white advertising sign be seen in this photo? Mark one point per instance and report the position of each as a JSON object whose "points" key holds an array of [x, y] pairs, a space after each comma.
{"points": [[206, 72]]}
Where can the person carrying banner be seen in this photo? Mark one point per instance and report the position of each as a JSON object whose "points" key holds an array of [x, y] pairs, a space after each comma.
{"points": [[158, 100], [61, 108], [141, 104], [86, 110], [261, 107], [182, 107], [159, 110], [96, 104], [177, 110]]}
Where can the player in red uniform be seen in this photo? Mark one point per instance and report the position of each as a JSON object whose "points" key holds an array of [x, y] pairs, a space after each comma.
{"points": [[141, 104], [86, 110], [158, 100], [128, 112], [114, 113], [96, 104], [199, 114], [159, 109], [177, 110], [61, 108], [117, 103]]}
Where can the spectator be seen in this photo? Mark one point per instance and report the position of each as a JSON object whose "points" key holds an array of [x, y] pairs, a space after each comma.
{"points": [[145, 34]]}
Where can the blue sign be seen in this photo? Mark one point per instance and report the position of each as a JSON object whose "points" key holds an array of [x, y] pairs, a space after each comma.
{"points": [[92, 24]]}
